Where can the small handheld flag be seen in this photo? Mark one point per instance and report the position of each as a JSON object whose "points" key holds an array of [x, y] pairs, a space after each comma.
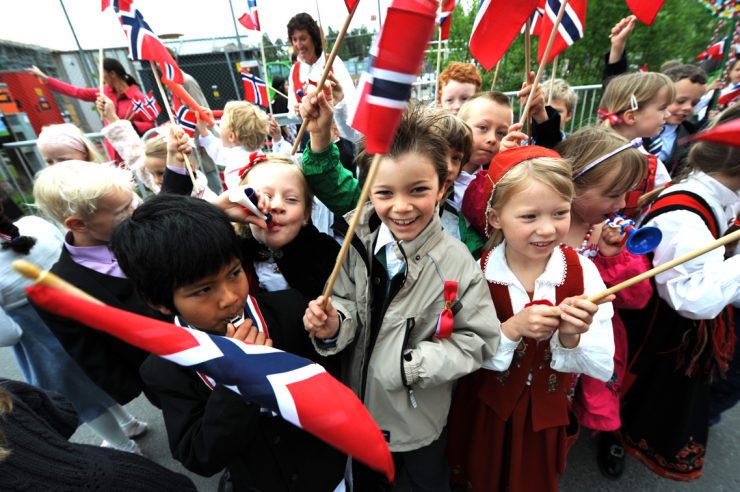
{"points": [[184, 117], [445, 17], [250, 20], [645, 10], [570, 29], [255, 89]]}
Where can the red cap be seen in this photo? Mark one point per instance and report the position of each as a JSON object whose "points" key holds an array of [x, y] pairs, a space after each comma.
{"points": [[475, 201]]}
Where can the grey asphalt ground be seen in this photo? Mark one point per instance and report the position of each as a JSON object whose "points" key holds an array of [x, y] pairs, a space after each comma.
{"points": [[721, 474]]}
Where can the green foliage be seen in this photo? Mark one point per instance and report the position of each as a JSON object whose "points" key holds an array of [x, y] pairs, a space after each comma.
{"points": [[682, 30], [356, 42]]}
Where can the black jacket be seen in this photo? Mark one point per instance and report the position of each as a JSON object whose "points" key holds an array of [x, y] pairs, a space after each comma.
{"points": [[209, 430], [109, 362]]}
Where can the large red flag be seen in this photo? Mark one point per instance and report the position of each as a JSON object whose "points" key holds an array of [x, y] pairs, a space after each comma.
{"points": [[645, 10], [400, 52], [496, 25], [570, 29], [302, 392]]}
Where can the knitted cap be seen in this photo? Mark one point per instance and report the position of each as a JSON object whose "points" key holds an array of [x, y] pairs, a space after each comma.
{"points": [[478, 194]]}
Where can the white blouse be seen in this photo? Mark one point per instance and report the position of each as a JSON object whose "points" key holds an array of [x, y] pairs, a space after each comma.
{"points": [[702, 287], [595, 351]]}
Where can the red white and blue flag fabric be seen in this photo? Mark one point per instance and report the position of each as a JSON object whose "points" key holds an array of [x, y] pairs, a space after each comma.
{"points": [[251, 19], [301, 392], [152, 106], [143, 43], [645, 10], [399, 54], [730, 96], [255, 89], [715, 52], [569, 31], [185, 118], [496, 25], [535, 20], [445, 17], [351, 5]]}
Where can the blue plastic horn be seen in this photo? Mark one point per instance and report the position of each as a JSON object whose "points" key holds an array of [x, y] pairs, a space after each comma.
{"points": [[641, 240]]}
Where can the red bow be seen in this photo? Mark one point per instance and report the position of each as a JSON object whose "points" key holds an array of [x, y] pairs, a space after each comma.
{"points": [[613, 118], [254, 159], [540, 302], [447, 319]]}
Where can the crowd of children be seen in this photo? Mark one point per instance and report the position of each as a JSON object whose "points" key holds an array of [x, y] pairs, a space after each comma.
{"points": [[466, 315]]}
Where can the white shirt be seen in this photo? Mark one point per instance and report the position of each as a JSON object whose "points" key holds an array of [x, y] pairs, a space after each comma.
{"points": [[313, 73], [461, 184], [269, 275], [386, 240], [702, 287], [595, 351]]}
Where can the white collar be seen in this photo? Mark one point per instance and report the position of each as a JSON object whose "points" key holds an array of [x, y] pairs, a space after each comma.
{"points": [[385, 237], [497, 271], [724, 195]]}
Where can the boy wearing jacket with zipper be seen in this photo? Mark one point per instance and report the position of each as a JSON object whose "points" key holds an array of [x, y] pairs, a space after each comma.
{"points": [[409, 311]]}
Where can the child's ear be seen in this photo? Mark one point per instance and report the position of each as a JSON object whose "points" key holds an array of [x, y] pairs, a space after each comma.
{"points": [[232, 137], [493, 219], [161, 309], [629, 117], [75, 223], [568, 116]]}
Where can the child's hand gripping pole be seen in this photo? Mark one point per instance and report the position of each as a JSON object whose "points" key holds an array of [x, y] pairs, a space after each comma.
{"points": [[247, 198], [735, 236]]}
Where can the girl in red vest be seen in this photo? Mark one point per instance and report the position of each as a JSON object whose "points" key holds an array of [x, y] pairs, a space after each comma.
{"points": [[511, 422]]}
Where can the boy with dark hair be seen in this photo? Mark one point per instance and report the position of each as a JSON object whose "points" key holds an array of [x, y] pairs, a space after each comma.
{"points": [[203, 285]]}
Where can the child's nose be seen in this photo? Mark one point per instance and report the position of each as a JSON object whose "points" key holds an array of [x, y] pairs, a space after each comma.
{"points": [[277, 204], [228, 298], [546, 228], [402, 205]]}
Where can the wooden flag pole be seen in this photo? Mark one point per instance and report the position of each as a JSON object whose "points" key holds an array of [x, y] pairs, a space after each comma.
{"points": [[44, 277], [552, 80], [730, 238], [527, 48], [327, 68], [439, 62], [101, 69], [172, 120], [264, 64], [546, 55], [374, 165], [495, 75]]}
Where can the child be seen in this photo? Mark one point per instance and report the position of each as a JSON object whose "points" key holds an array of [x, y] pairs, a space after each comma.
{"points": [[683, 340], [89, 200], [243, 128], [562, 98], [511, 424], [457, 83], [290, 252], [409, 312], [202, 283], [634, 105], [41, 358], [605, 167], [65, 142]]}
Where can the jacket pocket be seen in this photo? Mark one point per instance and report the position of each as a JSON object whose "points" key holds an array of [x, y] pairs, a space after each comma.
{"points": [[410, 323]]}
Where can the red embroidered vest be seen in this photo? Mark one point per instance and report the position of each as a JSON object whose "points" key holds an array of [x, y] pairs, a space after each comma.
{"points": [[549, 388]]}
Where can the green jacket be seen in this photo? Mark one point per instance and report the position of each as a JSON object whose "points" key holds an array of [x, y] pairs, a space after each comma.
{"points": [[339, 190]]}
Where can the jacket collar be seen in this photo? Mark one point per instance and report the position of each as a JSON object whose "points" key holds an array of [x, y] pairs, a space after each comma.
{"points": [[497, 271]]}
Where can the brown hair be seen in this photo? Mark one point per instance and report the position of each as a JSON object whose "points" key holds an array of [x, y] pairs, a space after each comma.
{"points": [[588, 144], [458, 134], [492, 96], [6, 406], [550, 171], [465, 73], [712, 157], [644, 86], [418, 132], [679, 72]]}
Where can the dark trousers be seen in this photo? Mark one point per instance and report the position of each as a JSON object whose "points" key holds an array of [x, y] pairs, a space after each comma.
{"points": [[726, 392], [421, 470]]}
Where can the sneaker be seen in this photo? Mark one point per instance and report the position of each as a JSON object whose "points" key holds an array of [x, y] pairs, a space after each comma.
{"points": [[610, 456], [135, 428], [135, 448]]}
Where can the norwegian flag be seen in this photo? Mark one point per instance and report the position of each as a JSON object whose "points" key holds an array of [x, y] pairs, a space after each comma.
{"points": [[184, 117], [143, 43], [445, 17], [351, 5], [255, 89], [137, 106], [645, 10], [251, 19], [495, 27], [569, 31], [400, 52], [730, 96], [152, 106], [715, 52], [301, 392], [535, 20]]}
